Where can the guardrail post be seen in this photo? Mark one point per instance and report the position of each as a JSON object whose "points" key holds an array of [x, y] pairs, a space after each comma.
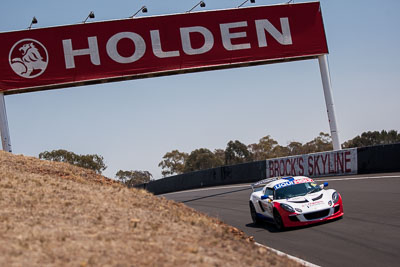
{"points": [[5, 133], [326, 84]]}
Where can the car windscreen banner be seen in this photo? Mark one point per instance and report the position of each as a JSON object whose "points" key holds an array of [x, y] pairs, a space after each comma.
{"points": [[87, 53], [330, 163]]}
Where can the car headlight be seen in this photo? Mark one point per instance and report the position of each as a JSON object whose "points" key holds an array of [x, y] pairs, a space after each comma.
{"points": [[287, 207], [335, 197]]}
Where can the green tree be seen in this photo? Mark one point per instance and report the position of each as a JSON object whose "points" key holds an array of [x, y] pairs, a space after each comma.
{"points": [[92, 162], [263, 149], [131, 178], [201, 159], [220, 153], [280, 151], [321, 143], [237, 152], [295, 148], [173, 163], [373, 138]]}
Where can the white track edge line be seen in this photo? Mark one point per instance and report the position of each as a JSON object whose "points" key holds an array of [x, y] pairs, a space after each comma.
{"points": [[296, 259]]}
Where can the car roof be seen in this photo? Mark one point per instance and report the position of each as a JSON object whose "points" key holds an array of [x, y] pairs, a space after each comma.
{"points": [[286, 179], [283, 181]]}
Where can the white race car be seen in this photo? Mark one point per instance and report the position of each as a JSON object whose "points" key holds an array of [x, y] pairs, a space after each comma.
{"points": [[293, 201]]}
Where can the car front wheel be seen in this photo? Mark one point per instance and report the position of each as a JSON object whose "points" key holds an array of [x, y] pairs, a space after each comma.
{"points": [[278, 221], [254, 217]]}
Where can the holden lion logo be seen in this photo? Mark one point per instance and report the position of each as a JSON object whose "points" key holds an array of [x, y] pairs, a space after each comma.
{"points": [[28, 58]]}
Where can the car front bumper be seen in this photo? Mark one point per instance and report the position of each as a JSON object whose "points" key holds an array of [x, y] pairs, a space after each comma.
{"points": [[300, 219]]}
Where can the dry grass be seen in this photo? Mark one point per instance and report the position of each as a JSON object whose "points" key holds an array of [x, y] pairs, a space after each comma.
{"points": [[55, 214]]}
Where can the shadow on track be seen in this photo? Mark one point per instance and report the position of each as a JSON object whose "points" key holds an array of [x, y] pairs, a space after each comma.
{"points": [[270, 226]]}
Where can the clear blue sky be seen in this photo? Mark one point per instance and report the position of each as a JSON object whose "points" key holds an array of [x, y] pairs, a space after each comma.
{"points": [[133, 124]]}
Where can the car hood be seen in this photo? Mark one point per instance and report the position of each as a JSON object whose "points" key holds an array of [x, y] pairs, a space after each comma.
{"points": [[311, 202]]}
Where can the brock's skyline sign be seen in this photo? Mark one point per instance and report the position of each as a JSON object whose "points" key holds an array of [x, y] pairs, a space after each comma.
{"points": [[89, 53]]}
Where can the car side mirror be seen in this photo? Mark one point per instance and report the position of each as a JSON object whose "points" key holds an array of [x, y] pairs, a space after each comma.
{"points": [[324, 185], [270, 198]]}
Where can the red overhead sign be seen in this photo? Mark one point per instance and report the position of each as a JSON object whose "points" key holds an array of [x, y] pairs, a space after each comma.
{"points": [[56, 57]]}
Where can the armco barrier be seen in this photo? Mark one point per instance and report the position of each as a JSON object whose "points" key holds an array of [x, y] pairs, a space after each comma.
{"points": [[373, 159], [377, 159], [241, 173]]}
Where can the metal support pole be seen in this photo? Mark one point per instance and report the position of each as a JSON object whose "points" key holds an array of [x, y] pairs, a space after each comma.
{"points": [[326, 83], [5, 133]]}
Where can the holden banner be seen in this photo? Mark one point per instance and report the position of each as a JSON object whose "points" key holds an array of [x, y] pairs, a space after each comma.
{"points": [[98, 52]]}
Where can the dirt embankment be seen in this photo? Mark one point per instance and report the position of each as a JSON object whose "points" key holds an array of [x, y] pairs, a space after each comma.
{"points": [[55, 214]]}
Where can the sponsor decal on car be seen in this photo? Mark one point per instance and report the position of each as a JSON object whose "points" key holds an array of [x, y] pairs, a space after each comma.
{"points": [[303, 180], [312, 204], [293, 182], [283, 184]]}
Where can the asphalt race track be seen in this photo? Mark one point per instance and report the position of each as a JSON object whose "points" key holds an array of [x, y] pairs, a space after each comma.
{"points": [[367, 235]]}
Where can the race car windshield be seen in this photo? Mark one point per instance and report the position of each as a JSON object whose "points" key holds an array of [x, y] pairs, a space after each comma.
{"points": [[296, 190]]}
